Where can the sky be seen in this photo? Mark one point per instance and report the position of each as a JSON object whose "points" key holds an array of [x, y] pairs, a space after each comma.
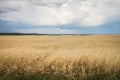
{"points": [[60, 16]]}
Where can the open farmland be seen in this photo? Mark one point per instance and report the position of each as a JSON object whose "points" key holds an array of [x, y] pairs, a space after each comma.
{"points": [[92, 57]]}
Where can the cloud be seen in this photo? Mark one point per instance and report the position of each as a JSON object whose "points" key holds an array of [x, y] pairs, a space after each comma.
{"points": [[60, 12], [46, 31]]}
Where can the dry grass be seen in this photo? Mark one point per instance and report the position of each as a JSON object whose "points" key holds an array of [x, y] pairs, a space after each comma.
{"points": [[72, 56]]}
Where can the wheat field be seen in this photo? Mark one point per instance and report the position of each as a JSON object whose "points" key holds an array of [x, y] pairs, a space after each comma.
{"points": [[71, 56]]}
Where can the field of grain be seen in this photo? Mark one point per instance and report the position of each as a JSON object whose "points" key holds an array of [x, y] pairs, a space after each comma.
{"points": [[93, 57]]}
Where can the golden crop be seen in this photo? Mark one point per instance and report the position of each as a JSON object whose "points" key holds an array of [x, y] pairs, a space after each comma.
{"points": [[68, 55]]}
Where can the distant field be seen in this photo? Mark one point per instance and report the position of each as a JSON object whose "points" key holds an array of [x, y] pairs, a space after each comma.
{"points": [[93, 57]]}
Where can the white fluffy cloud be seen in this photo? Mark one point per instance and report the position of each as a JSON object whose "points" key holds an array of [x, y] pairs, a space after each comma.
{"points": [[60, 12]]}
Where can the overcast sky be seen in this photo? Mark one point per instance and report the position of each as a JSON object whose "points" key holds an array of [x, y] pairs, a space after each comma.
{"points": [[60, 16]]}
